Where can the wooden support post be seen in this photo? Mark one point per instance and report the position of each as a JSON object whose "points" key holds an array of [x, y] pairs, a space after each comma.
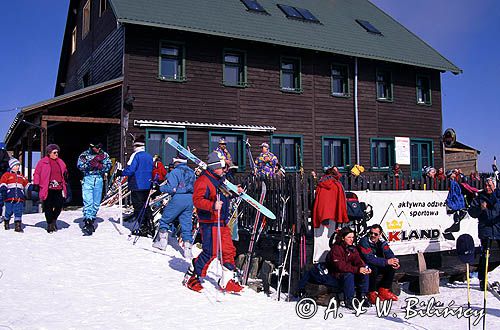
{"points": [[30, 155], [428, 279], [428, 282], [43, 138]]}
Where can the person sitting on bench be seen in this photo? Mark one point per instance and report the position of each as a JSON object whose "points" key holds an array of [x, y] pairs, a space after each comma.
{"points": [[346, 265], [379, 256]]}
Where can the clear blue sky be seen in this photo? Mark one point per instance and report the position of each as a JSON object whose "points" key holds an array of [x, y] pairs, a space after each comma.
{"points": [[464, 31]]}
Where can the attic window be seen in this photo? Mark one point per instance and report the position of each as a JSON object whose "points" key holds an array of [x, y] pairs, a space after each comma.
{"points": [[298, 13], [368, 26], [253, 5]]}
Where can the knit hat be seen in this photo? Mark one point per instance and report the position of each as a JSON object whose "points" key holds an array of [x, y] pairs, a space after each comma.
{"points": [[180, 158], [215, 161], [222, 141], [52, 147], [140, 141], [265, 145], [465, 248], [13, 162]]}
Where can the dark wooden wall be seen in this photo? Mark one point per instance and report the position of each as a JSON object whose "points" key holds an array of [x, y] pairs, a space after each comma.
{"points": [[313, 113], [100, 53]]}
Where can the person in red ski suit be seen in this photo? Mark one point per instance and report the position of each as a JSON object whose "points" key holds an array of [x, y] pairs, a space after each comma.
{"points": [[212, 206]]}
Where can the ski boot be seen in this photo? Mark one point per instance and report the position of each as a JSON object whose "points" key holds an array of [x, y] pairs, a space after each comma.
{"points": [[386, 294], [6, 223], [192, 281], [372, 297], [18, 227], [88, 227], [161, 241], [228, 283]]}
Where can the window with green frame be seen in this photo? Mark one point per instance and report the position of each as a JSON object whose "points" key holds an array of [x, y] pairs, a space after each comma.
{"points": [[235, 144], [384, 85], [172, 62], [382, 153], [287, 148], [335, 151], [290, 74], [155, 143], [423, 90], [340, 80], [234, 68]]}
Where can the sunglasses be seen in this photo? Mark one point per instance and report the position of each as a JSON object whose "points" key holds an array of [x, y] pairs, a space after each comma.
{"points": [[374, 234], [54, 152]]}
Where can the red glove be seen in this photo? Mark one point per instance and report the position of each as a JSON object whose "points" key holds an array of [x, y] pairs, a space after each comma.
{"points": [[95, 163]]}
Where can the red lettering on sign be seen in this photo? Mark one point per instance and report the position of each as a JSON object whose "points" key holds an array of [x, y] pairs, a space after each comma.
{"points": [[394, 236]]}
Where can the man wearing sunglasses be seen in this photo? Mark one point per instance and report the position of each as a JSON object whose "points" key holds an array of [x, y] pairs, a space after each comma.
{"points": [[93, 163], [379, 256]]}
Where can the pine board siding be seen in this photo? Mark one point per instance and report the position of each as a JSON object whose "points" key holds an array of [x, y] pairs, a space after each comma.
{"points": [[313, 113], [100, 53]]}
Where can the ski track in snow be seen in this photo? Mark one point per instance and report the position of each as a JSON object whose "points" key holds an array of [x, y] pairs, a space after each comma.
{"points": [[67, 281]]}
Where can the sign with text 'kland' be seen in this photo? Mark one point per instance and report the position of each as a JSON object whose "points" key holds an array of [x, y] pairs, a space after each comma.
{"points": [[413, 221], [416, 221]]}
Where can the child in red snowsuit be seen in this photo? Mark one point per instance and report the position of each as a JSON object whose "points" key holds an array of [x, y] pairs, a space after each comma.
{"points": [[12, 187]]}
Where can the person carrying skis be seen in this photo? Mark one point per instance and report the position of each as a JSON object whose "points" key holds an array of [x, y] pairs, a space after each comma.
{"points": [[93, 163], [379, 256], [139, 172], [212, 206], [486, 208], [12, 188], [179, 185], [266, 163]]}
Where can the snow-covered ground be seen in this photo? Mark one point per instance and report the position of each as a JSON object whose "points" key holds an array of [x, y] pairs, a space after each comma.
{"points": [[67, 281]]}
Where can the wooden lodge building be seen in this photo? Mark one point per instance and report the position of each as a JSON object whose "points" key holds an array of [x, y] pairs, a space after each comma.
{"points": [[323, 82]]}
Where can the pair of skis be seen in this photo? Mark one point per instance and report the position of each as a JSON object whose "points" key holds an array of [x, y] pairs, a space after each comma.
{"points": [[250, 252], [230, 186]]}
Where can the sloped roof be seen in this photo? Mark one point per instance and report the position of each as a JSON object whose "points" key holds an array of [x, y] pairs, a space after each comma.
{"points": [[338, 32]]}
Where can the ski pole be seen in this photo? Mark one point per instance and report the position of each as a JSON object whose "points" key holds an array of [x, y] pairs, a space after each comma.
{"points": [[486, 281], [290, 264], [468, 290], [219, 240]]}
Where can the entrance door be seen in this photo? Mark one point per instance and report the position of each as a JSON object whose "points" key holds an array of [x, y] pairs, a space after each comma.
{"points": [[420, 156]]}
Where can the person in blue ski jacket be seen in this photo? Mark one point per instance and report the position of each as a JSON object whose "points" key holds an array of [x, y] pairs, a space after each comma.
{"points": [[179, 185], [139, 171], [93, 163], [379, 256]]}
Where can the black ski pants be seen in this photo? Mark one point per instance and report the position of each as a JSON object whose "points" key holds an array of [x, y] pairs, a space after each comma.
{"points": [[52, 206], [139, 198], [387, 273]]}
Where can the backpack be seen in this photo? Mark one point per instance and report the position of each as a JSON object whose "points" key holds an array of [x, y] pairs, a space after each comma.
{"points": [[357, 210]]}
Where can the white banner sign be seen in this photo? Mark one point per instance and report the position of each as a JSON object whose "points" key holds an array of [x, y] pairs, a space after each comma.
{"points": [[402, 148], [413, 221]]}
